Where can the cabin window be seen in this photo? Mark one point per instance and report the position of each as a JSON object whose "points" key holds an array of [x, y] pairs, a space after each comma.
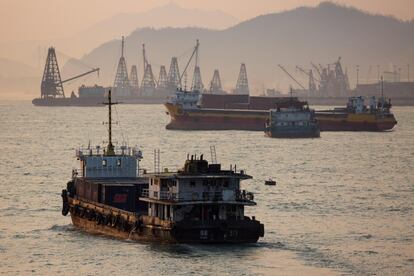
{"points": [[204, 182], [192, 183], [104, 162], [226, 183], [118, 162]]}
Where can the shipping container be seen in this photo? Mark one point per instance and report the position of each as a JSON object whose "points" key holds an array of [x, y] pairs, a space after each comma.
{"points": [[222, 101], [87, 190], [121, 196]]}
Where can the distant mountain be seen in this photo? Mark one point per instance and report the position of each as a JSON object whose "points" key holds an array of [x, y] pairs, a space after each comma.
{"points": [[34, 52], [320, 34], [170, 15], [11, 68], [17, 79]]}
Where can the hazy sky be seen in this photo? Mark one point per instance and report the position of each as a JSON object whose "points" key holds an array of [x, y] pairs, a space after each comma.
{"points": [[49, 19]]}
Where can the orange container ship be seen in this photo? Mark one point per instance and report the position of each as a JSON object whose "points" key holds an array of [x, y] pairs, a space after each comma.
{"points": [[191, 111]]}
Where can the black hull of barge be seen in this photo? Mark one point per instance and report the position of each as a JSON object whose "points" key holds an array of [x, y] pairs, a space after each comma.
{"points": [[150, 230]]}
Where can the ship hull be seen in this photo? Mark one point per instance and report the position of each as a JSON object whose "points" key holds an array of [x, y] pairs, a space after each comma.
{"points": [[145, 234], [311, 132], [332, 121], [215, 119], [100, 219], [96, 101], [68, 101], [254, 120]]}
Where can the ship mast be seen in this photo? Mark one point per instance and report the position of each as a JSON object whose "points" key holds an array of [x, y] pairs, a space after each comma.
{"points": [[110, 148]]}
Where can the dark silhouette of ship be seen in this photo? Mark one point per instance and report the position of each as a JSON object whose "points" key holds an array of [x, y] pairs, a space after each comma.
{"points": [[201, 203]]}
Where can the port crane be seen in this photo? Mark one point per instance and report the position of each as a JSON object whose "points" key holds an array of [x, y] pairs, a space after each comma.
{"points": [[81, 75], [307, 73], [312, 80], [52, 84], [197, 83], [317, 69], [287, 73]]}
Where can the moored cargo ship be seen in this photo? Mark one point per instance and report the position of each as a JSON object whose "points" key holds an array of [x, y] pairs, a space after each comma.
{"points": [[235, 112], [201, 203], [356, 116], [187, 113]]}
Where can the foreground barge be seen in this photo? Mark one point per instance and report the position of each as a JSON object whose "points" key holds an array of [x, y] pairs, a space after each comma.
{"points": [[201, 203]]}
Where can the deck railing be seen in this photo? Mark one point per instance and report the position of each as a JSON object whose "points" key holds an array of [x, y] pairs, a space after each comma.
{"points": [[119, 150], [225, 195]]}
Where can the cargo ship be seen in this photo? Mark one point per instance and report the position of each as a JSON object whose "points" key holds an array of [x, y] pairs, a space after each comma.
{"points": [[233, 112], [87, 96], [356, 116], [201, 203], [189, 110]]}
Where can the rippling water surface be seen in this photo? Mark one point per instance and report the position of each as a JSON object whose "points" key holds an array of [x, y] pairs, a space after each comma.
{"points": [[343, 203]]}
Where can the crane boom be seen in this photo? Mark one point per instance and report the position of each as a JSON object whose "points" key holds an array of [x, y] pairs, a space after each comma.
{"points": [[287, 73], [81, 75], [317, 69], [306, 73], [188, 63]]}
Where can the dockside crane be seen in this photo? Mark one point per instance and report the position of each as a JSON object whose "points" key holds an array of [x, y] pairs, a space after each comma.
{"points": [[317, 70], [52, 85], [312, 80], [197, 83], [287, 73], [307, 73], [81, 75]]}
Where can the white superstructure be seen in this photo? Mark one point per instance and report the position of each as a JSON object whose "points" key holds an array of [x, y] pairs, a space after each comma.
{"points": [[96, 164], [187, 99]]}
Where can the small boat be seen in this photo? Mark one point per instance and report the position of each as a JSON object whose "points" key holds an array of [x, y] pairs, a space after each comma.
{"points": [[270, 182]]}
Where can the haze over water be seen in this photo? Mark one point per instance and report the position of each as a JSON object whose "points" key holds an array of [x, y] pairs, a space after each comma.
{"points": [[344, 203]]}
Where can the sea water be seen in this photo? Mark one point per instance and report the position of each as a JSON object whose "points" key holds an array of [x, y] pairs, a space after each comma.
{"points": [[343, 203]]}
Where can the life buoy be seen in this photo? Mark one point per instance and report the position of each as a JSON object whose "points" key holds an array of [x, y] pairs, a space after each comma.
{"points": [[76, 210], [91, 215], [115, 220], [99, 219], [107, 219], [121, 224], [82, 212]]}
